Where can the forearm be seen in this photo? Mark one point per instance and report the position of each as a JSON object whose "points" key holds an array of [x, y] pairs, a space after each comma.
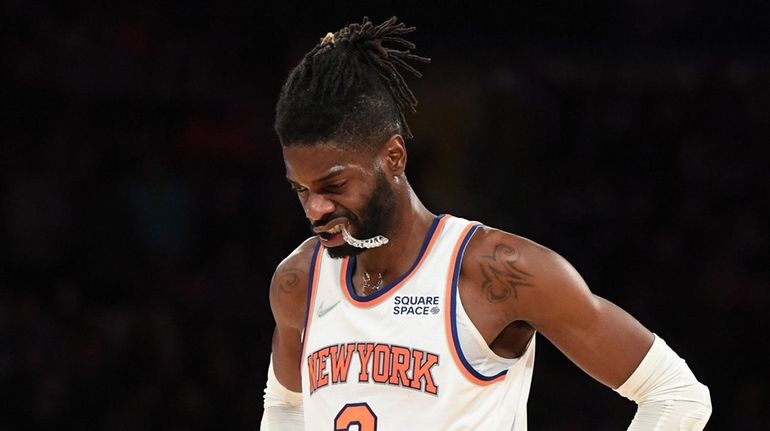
{"points": [[667, 393], [282, 407]]}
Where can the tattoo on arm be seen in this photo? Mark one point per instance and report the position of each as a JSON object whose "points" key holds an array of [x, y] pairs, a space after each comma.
{"points": [[501, 276], [288, 279]]}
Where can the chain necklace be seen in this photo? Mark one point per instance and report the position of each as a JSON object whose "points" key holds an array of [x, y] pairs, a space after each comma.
{"points": [[368, 287]]}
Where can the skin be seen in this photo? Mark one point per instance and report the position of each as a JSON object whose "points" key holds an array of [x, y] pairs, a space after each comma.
{"points": [[509, 285]]}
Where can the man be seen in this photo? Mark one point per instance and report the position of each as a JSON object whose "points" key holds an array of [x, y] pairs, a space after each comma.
{"points": [[392, 318]]}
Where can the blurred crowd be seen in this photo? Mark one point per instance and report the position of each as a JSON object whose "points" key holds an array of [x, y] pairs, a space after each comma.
{"points": [[143, 207]]}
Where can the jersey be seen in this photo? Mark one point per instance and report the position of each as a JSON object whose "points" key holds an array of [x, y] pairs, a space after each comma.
{"points": [[407, 356]]}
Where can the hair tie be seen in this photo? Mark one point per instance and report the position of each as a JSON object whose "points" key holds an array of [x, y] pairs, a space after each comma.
{"points": [[329, 38]]}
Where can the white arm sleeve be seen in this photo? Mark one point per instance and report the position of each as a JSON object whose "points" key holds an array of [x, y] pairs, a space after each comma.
{"points": [[282, 407], [667, 392]]}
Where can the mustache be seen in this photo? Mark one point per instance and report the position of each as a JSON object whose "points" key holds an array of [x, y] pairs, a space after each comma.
{"points": [[330, 217]]}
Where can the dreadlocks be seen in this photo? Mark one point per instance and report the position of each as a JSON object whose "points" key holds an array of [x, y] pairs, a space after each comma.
{"points": [[349, 89]]}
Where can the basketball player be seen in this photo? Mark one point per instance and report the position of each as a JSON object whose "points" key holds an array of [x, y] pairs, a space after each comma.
{"points": [[392, 318]]}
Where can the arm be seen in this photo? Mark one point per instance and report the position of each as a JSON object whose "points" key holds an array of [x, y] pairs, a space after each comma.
{"points": [[530, 283], [288, 295]]}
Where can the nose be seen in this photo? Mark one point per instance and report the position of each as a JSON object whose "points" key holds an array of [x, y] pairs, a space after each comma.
{"points": [[317, 206]]}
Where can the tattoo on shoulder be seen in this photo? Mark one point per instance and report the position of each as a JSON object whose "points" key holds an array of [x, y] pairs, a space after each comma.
{"points": [[502, 278], [288, 279]]}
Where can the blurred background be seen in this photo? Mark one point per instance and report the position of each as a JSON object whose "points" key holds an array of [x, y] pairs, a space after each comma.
{"points": [[143, 204]]}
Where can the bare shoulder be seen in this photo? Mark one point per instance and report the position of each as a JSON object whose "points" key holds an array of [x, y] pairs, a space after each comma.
{"points": [[288, 288], [517, 273]]}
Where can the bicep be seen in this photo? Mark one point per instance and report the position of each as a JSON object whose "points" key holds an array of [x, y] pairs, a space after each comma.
{"points": [[287, 300], [598, 336], [286, 346]]}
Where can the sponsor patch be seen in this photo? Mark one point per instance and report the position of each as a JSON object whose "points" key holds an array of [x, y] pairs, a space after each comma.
{"points": [[416, 305]]}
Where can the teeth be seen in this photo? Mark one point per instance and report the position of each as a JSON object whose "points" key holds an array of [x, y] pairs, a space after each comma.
{"points": [[335, 230], [363, 243]]}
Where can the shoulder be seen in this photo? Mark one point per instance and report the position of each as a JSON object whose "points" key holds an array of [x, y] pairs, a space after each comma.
{"points": [[516, 273], [288, 287], [493, 252]]}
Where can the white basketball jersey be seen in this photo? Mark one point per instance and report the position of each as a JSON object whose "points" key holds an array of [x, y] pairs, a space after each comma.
{"points": [[407, 357]]}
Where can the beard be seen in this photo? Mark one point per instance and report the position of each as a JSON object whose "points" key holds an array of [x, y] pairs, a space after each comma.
{"points": [[376, 218]]}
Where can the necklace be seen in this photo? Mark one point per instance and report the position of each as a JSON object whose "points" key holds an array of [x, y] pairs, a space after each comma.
{"points": [[368, 287]]}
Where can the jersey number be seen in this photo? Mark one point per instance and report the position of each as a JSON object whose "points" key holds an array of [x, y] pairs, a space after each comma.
{"points": [[356, 414]]}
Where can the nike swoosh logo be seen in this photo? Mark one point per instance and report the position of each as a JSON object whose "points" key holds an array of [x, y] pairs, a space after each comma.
{"points": [[322, 311]]}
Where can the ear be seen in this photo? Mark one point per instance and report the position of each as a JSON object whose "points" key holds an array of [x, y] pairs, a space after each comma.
{"points": [[393, 155]]}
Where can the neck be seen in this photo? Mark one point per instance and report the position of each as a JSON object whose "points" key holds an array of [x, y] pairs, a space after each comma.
{"points": [[408, 229]]}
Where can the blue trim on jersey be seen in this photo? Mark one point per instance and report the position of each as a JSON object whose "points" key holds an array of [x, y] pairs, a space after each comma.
{"points": [[311, 276], [352, 267], [453, 309]]}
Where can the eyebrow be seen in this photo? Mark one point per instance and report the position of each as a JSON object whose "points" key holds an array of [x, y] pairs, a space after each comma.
{"points": [[331, 173]]}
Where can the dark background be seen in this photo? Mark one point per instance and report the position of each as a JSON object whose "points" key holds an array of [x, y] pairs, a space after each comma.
{"points": [[144, 207]]}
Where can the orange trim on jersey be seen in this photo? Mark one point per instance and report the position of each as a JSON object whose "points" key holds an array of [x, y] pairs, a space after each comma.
{"points": [[311, 297], [448, 315], [391, 289]]}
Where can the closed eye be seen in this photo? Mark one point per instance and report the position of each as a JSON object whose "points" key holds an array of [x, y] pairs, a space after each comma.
{"points": [[335, 187]]}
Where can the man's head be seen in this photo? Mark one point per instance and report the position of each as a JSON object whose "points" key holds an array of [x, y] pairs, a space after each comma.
{"points": [[349, 88], [341, 123], [374, 217], [360, 190]]}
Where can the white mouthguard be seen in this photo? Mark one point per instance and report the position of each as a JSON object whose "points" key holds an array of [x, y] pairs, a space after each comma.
{"points": [[363, 243]]}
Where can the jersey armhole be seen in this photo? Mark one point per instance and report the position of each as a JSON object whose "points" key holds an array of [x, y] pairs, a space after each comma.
{"points": [[451, 317], [315, 270]]}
